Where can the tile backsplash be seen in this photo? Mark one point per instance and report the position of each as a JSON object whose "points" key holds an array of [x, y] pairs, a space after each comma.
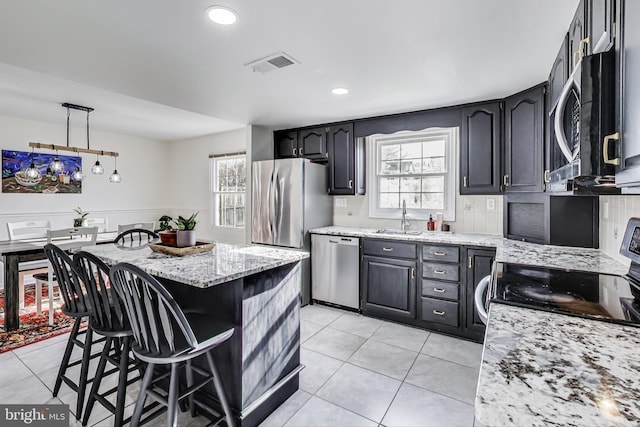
{"points": [[615, 211], [472, 215]]}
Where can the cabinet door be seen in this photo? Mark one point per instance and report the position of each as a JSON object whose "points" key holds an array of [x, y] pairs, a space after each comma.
{"points": [[286, 144], [601, 28], [479, 263], [313, 143], [577, 33], [389, 287], [480, 171], [341, 148], [524, 141]]}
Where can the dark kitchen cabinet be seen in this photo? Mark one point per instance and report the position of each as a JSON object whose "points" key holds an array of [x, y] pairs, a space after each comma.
{"points": [[601, 33], [479, 264], [312, 143], [286, 144], [346, 161], [524, 141], [388, 279], [480, 149], [578, 33]]}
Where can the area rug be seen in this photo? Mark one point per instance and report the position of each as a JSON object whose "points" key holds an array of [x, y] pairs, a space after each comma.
{"points": [[33, 328]]}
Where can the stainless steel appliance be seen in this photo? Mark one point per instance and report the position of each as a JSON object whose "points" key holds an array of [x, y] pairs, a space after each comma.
{"points": [[581, 120], [594, 295], [289, 197], [335, 270]]}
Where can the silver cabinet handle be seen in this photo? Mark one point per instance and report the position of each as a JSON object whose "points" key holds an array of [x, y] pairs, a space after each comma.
{"points": [[470, 261], [413, 273], [387, 249], [547, 178], [605, 149], [439, 272], [439, 253], [295, 151], [505, 180], [438, 313], [300, 151], [464, 181], [350, 183], [440, 291]]}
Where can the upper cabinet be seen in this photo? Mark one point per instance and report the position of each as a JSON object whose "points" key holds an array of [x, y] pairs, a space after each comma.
{"points": [[286, 144], [578, 41], [601, 33], [480, 149], [346, 160], [524, 141], [312, 143]]}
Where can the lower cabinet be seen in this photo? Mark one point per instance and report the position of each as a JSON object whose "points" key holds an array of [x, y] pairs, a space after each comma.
{"points": [[425, 285]]}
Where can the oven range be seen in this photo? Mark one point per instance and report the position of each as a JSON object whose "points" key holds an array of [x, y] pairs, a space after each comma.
{"points": [[597, 296]]}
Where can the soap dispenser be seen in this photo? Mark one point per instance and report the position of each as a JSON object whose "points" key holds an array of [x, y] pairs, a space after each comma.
{"points": [[431, 224]]}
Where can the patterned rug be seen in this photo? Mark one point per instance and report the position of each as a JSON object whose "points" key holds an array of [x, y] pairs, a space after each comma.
{"points": [[33, 328]]}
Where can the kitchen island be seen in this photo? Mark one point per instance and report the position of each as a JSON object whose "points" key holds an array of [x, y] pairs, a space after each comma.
{"points": [[257, 289]]}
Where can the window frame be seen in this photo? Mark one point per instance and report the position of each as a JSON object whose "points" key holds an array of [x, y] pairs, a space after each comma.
{"points": [[451, 138], [214, 160]]}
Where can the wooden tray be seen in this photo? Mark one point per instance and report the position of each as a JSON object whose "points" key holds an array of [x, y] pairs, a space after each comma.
{"points": [[189, 250]]}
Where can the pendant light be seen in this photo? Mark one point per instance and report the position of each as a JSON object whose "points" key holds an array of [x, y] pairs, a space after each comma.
{"points": [[97, 168], [115, 176], [57, 165], [32, 171]]}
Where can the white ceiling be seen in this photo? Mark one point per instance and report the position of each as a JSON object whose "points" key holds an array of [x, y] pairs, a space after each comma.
{"points": [[160, 69]]}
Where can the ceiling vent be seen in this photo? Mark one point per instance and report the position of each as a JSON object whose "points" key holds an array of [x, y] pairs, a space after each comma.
{"points": [[272, 62]]}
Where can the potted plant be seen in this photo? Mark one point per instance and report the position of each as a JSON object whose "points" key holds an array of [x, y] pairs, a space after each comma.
{"points": [[165, 223], [186, 235], [81, 219]]}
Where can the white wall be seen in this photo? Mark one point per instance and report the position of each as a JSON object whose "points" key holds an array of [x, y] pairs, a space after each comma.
{"points": [[141, 196], [188, 184], [612, 228]]}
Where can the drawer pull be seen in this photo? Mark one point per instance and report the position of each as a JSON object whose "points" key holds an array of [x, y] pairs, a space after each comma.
{"points": [[413, 273], [439, 272], [439, 253], [440, 291], [295, 152], [387, 249], [438, 313]]}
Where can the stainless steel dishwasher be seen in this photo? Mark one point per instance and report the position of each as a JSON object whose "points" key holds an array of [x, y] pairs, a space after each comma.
{"points": [[335, 270]]}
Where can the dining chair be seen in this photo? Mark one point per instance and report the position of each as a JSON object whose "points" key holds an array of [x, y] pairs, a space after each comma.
{"points": [[108, 318], [67, 239], [101, 223], [76, 305], [27, 230], [135, 238], [165, 335], [146, 225]]}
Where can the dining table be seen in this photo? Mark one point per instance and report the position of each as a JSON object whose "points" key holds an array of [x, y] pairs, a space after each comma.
{"points": [[14, 252]]}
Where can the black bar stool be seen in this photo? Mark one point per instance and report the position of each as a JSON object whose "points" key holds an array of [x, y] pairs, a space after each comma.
{"points": [[135, 238], [165, 335], [76, 305], [108, 318]]}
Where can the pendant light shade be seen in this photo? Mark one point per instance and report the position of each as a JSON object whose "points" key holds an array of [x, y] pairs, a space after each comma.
{"points": [[115, 176], [97, 168], [33, 172], [57, 165]]}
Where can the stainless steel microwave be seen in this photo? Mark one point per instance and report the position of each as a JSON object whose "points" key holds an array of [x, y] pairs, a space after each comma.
{"points": [[581, 119]]}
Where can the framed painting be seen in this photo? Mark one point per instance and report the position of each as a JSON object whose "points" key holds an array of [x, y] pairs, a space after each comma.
{"points": [[16, 180]]}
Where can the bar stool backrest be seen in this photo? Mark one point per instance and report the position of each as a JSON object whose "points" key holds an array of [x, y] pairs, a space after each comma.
{"points": [[136, 238], [108, 311], [146, 225], [160, 328], [69, 281]]}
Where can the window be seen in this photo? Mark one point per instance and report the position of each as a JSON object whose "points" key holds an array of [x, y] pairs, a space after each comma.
{"points": [[415, 167], [229, 182]]}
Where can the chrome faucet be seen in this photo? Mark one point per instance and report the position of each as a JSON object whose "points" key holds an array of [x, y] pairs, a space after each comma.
{"points": [[404, 224]]}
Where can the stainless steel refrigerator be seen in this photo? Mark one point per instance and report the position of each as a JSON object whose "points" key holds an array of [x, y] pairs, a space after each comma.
{"points": [[289, 197]]}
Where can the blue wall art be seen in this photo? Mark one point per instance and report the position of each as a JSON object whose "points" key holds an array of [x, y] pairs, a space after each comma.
{"points": [[16, 180]]}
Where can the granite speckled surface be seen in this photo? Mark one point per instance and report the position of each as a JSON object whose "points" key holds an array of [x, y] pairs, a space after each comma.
{"points": [[511, 251], [546, 369], [224, 263]]}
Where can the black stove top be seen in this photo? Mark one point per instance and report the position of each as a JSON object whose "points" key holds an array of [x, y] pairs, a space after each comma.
{"points": [[585, 294]]}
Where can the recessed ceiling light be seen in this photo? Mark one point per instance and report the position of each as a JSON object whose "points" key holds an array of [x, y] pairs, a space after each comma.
{"points": [[340, 91], [222, 15]]}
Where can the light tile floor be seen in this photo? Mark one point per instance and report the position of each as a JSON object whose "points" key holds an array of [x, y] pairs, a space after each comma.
{"points": [[359, 371]]}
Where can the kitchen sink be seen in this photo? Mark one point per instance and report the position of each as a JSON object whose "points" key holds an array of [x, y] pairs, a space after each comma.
{"points": [[395, 231]]}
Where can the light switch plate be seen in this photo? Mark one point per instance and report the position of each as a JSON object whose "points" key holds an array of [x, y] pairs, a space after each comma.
{"points": [[491, 204], [340, 202]]}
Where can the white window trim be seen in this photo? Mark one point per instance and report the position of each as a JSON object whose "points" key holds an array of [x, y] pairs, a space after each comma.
{"points": [[212, 191], [451, 136]]}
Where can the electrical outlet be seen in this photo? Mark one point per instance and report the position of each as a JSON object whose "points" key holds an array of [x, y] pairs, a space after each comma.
{"points": [[491, 204], [340, 202]]}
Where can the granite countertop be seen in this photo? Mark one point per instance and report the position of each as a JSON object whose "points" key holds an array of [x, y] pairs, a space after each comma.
{"points": [[511, 251], [547, 369], [224, 263]]}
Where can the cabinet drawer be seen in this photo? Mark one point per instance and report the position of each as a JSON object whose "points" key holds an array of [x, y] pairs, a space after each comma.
{"points": [[438, 311], [441, 253], [434, 270], [432, 288], [386, 248]]}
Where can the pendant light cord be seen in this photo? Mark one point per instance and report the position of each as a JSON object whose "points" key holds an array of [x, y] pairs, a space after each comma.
{"points": [[88, 148], [68, 116]]}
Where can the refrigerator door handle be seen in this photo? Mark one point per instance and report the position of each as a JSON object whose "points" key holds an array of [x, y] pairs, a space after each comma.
{"points": [[277, 206], [270, 206]]}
